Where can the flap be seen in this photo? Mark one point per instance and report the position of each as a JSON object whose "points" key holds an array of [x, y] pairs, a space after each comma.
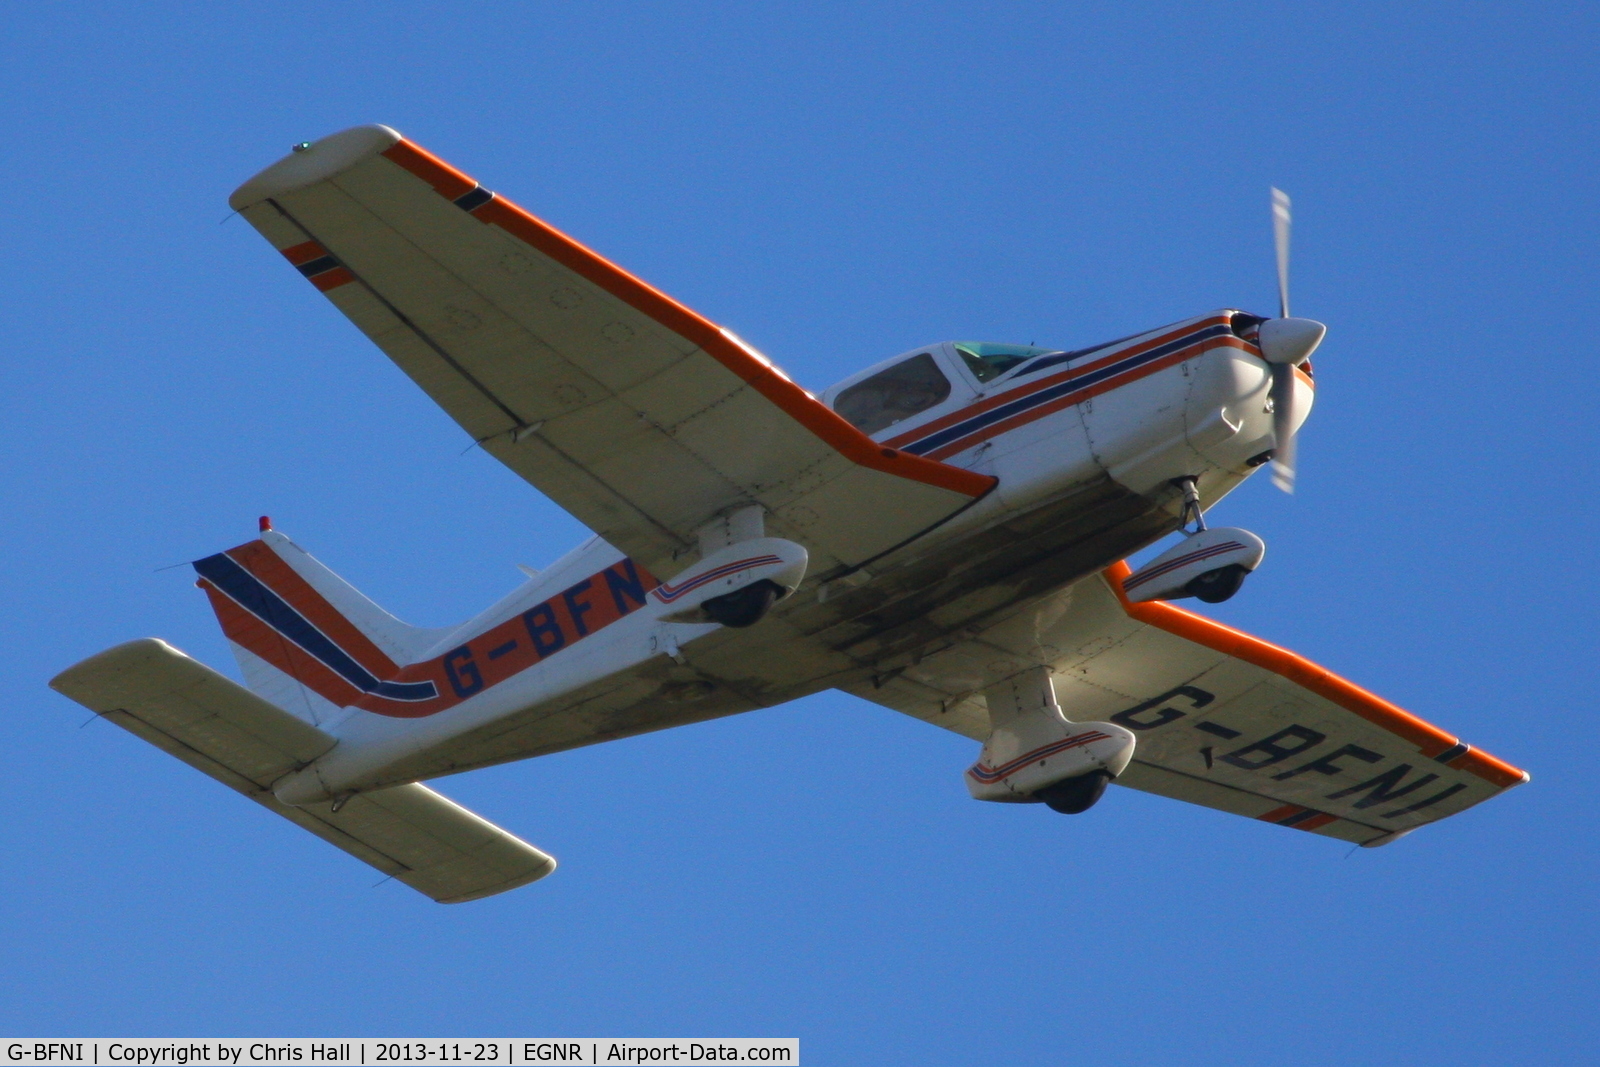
{"points": [[640, 417], [190, 711]]}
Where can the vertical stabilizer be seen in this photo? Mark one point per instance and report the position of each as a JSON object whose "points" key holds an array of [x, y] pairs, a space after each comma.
{"points": [[403, 642], [305, 639]]}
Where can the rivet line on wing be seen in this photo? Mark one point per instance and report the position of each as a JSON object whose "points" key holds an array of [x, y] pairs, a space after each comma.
{"points": [[517, 420], [519, 423]]}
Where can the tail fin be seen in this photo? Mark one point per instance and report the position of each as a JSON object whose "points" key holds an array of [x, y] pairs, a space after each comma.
{"points": [[305, 639]]}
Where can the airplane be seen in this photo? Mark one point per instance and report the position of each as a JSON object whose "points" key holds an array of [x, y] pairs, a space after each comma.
{"points": [[943, 534]]}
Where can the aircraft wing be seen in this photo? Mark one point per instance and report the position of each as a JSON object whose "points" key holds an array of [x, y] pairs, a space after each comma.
{"points": [[1221, 718], [190, 711], [640, 417]]}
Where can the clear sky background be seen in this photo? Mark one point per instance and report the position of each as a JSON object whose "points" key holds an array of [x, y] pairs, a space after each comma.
{"points": [[837, 183]]}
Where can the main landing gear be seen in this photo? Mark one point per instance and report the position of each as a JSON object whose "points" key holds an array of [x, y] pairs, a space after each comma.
{"points": [[1035, 755], [1074, 796], [743, 607]]}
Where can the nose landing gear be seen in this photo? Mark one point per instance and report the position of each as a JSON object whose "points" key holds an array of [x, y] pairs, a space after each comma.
{"points": [[1191, 504], [1209, 564], [1216, 586]]}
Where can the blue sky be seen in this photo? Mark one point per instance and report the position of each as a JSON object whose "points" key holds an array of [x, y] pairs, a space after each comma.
{"points": [[836, 183]]}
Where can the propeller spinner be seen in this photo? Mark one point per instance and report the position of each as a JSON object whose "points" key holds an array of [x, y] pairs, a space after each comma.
{"points": [[1285, 342]]}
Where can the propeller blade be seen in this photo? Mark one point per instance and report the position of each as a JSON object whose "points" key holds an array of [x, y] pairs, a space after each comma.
{"points": [[1282, 393], [1280, 234]]}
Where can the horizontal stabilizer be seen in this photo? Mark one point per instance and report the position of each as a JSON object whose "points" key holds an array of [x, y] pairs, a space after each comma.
{"points": [[190, 711]]}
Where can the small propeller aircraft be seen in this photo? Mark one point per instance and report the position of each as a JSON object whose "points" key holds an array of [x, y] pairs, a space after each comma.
{"points": [[942, 533]]}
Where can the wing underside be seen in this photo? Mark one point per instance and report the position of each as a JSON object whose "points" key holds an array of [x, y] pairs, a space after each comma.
{"points": [[637, 415], [1221, 719]]}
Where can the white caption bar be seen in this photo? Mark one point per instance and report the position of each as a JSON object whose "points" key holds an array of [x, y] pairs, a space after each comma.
{"points": [[394, 1052]]}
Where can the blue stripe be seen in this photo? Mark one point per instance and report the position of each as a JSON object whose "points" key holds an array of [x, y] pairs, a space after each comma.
{"points": [[320, 265], [1299, 817], [478, 197], [1055, 359], [1056, 392], [662, 591], [251, 594], [989, 774], [1182, 561]]}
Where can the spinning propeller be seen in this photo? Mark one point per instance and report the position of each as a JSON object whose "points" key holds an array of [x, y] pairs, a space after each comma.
{"points": [[1285, 342]]}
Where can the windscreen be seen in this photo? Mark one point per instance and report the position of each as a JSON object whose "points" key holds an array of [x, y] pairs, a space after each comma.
{"points": [[988, 360]]}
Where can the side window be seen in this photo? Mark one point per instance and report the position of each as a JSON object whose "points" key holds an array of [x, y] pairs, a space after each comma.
{"points": [[887, 397]]}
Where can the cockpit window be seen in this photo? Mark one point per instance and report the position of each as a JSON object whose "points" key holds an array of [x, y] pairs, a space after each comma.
{"points": [[908, 387], [988, 361]]}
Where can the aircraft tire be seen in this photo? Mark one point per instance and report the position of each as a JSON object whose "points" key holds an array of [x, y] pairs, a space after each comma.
{"points": [[1216, 586], [1077, 795], [743, 607]]}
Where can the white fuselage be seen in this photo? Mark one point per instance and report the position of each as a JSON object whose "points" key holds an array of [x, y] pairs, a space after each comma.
{"points": [[1202, 411], [1187, 400]]}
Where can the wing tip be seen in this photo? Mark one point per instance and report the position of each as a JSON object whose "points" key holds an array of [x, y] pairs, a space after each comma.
{"points": [[86, 673], [317, 161], [1387, 839], [536, 871]]}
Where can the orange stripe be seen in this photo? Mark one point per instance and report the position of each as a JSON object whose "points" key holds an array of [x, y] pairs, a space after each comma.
{"points": [[1048, 380], [1429, 739], [758, 374], [598, 607], [1032, 414], [247, 631], [259, 559], [332, 279], [445, 179], [1316, 821], [303, 253], [999, 399], [1281, 813]]}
